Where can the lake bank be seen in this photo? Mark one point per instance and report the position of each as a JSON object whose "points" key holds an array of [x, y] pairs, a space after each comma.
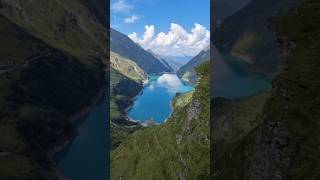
{"points": [[231, 79], [78, 155], [154, 101]]}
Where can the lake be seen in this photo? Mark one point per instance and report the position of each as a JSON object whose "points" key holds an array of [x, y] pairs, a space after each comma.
{"points": [[86, 157], [230, 79], [154, 102]]}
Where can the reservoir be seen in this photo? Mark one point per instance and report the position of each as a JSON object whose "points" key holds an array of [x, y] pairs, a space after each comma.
{"points": [[230, 79], [154, 102], [86, 157]]}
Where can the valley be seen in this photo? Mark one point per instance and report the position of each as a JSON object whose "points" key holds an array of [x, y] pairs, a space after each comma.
{"points": [[156, 117], [153, 105], [270, 135]]}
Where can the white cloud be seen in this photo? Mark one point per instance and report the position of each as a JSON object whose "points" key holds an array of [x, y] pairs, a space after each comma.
{"points": [[134, 37], [121, 6], [169, 81], [176, 42], [131, 19]]}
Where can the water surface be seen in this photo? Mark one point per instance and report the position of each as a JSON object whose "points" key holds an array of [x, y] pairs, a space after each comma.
{"points": [[230, 79], [155, 100], [87, 156]]}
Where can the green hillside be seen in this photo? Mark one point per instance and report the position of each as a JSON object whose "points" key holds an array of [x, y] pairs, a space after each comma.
{"points": [[120, 100], [51, 67], [176, 149], [127, 67], [188, 71], [247, 36], [286, 143]]}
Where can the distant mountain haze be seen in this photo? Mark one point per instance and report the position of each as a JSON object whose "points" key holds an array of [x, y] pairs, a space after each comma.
{"points": [[124, 46], [177, 62], [161, 59]]}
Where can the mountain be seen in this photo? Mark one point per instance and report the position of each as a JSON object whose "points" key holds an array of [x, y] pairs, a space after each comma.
{"points": [[177, 149], [120, 100], [222, 9], [187, 72], [51, 69], [161, 59], [247, 36], [98, 8], [281, 140], [125, 47], [127, 67], [177, 62]]}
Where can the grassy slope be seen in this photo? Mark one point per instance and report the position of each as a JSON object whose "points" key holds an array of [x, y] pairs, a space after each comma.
{"points": [[233, 121], [286, 145], [120, 99], [187, 72], [67, 26], [177, 148], [247, 36], [37, 95], [127, 67]]}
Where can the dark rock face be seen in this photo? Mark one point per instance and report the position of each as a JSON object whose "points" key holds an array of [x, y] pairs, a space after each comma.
{"points": [[272, 154]]}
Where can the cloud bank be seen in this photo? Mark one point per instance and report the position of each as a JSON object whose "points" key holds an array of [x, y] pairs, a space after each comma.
{"points": [[176, 42]]}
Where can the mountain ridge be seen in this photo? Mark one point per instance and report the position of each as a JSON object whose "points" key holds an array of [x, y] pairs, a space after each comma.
{"points": [[124, 46], [187, 72]]}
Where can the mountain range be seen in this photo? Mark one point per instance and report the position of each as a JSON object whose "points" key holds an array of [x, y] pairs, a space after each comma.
{"points": [[124, 46]]}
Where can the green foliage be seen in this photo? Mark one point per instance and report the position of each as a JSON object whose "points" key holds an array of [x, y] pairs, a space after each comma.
{"points": [[188, 72], [120, 100], [290, 115], [127, 67], [233, 121], [50, 68], [175, 149]]}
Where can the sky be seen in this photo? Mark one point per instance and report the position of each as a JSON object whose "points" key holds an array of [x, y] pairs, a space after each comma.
{"points": [[176, 28]]}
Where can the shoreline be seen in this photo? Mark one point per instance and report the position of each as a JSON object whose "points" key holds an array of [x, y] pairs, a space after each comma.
{"points": [[74, 118], [171, 102]]}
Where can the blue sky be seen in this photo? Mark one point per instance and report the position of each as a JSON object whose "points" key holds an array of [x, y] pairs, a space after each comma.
{"points": [[128, 16]]}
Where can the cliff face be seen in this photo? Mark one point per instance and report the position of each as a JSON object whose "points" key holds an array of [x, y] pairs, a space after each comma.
{"points": [[51, 62], [285, 144]]}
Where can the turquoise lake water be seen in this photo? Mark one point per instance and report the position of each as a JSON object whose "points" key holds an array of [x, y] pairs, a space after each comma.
{"points": [[230, 79], [155, 100], [87, 156]]}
